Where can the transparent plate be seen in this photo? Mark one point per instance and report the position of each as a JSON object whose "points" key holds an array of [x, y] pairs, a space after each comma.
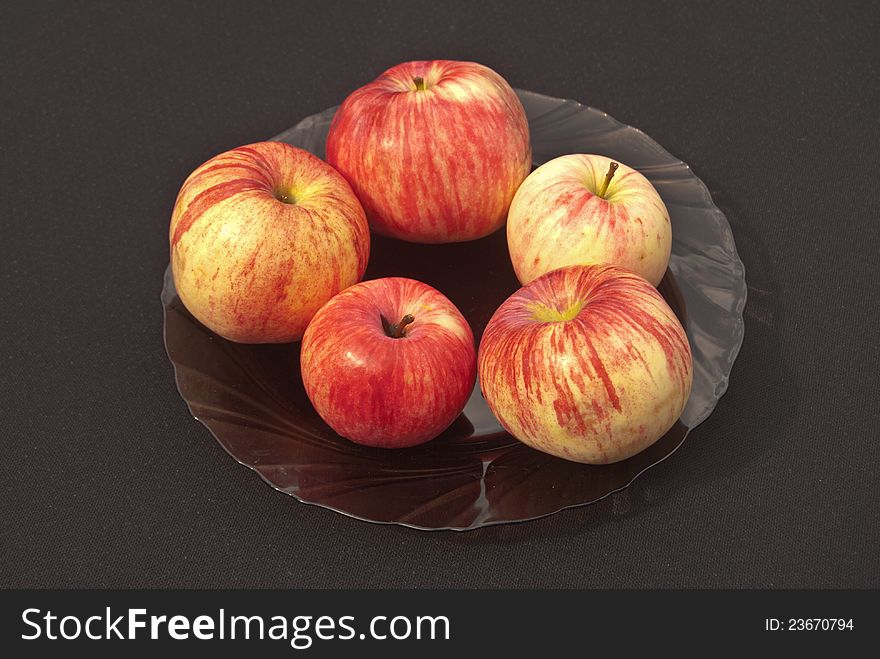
{"points": [[252, 399]]}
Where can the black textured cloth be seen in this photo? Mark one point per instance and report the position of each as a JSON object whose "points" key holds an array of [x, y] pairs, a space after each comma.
{"points": [[105, 479]]}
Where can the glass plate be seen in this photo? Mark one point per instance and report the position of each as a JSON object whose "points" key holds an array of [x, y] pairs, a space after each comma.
{"points": [[252, 399]]}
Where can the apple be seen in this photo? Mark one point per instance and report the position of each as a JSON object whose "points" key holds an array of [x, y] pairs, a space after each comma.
{"points": [[262, 236], [588, 209], [587, 363], [388, 362], [435, 150]]}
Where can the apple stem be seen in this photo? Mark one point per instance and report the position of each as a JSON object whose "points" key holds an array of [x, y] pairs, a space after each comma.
{"points": [[610, 175], [419, 82], [397, 331]]}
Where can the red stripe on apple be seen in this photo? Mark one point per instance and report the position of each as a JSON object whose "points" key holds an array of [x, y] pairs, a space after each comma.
{"points": [[586, 362]]}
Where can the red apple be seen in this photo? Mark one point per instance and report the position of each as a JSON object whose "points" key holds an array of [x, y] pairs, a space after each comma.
{"points": [[262, 236], [588, 209], [434, 150], [587, 363], [389, 362]]}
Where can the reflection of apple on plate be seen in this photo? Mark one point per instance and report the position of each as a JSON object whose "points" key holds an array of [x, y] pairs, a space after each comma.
{"points": [[581, 208], [262, 236], [587, 363], [388, 362]]}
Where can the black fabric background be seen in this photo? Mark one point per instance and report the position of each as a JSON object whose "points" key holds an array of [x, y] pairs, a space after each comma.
{"points": [[105, 480]]}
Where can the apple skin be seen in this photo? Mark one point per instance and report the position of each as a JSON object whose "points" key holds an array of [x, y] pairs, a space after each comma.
{"points": [[433, 165], [558, 219], [382, 391], [587, 363], [254, 268]]}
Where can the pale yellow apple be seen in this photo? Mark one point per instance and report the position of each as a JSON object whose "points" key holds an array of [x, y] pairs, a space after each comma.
{"points": [[584, 208]]}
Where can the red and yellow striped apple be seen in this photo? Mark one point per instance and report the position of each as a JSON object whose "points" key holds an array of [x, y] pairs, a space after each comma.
{"points": [[587, 363], [388, 362], [262, 236], [435, 150], [582, 208]]}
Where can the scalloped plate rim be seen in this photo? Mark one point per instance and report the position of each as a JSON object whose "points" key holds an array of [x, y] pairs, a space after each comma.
{"points": [[721, 388]]}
